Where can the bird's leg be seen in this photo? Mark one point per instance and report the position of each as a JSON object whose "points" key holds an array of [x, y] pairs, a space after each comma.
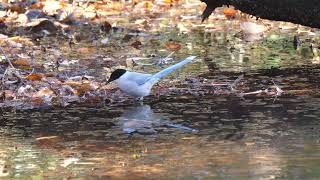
{"points": [[139, 100]]}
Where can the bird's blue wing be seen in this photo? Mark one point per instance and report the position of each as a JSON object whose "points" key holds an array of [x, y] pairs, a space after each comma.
{"points": [[139, 78], [170, 69]]}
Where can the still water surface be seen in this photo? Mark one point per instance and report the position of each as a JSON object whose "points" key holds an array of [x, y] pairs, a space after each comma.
{"points": [[175, 138]]}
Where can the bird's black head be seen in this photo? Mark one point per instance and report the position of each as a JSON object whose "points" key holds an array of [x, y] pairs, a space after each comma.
{"points": [[116, 75]]}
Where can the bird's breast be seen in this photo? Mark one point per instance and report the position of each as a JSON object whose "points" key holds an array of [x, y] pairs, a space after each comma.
{"points": [[133, 89]]}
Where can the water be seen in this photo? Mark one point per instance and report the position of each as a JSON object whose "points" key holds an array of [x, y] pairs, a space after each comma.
{"points": [[226, 137]]}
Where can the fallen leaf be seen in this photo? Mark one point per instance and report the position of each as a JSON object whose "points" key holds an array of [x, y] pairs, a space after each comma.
{"points": [[37, 5], [66, 16], [44, 92], [117, 6], [50, 75], [8, 94], [127, 38], [144, 6], [37, 101], [83, 50], [83, 88], [51, 7], [34, 77], [22, 19], [72, 83], [106, 27], [21, 40], [17, 8], [136, 44], [229, 12], [173, 46], [21, 62]]}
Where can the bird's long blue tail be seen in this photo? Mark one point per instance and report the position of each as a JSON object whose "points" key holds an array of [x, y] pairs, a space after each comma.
{"points": [[170, 69]]}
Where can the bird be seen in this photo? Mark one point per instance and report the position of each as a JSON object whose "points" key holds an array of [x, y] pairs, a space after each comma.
{"points": [[138, 84]]}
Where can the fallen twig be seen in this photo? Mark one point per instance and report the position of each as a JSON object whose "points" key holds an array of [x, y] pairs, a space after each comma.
{"points": [[7, 59], [278, 90], [14, 70], [164, 60], [236, 82]]}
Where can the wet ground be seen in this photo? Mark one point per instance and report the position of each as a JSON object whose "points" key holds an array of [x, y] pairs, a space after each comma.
{"points": [[200, 123]]}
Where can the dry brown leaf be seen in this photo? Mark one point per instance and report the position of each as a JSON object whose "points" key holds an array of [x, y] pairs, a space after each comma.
{"points": [[50, 75], [110, 86], [8, 94], [37, 5], [116, 6], [136, 44], [127, 38], [229, 13], [24, 41], [37, 101], [43, 92], [21, 62], [106, 27], [144, 5], [173, 46], [83, 88], [18, 8], [72, 83], [84, 50], [34, 77]]}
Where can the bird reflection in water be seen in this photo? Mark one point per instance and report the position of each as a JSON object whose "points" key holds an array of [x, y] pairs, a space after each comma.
{"points": [[141, 119]]}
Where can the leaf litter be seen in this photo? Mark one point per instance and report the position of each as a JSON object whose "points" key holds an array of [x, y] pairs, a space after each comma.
{"points": [[56, 53]]}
